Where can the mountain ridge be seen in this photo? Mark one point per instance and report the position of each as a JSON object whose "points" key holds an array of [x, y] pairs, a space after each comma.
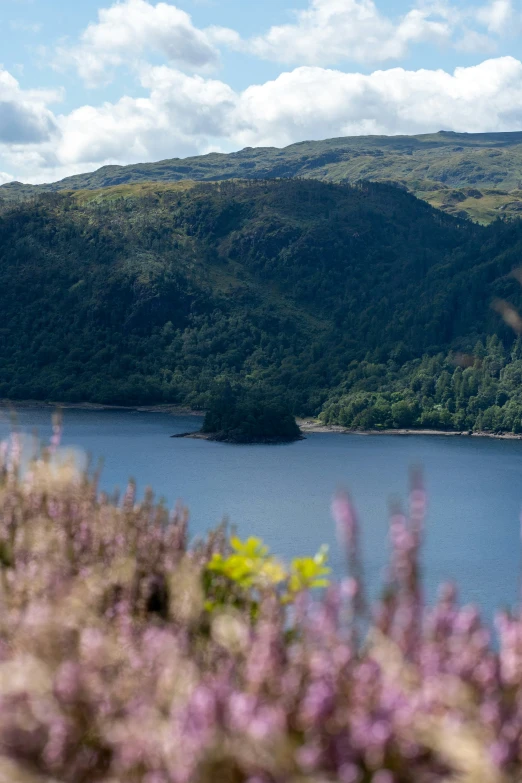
{"points": [[464, 174]]}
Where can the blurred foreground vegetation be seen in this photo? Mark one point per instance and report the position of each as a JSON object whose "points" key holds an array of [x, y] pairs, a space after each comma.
{"points": [[129, 656]]}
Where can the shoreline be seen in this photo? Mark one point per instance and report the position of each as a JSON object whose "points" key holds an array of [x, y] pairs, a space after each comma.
{"points": [[213, 436], [306, 425], [311, 425], [179, 410]]}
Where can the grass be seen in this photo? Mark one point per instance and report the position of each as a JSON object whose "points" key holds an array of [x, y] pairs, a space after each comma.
{"points": [[438, 168]]}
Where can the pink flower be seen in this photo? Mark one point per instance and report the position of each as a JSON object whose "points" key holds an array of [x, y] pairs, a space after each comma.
{"points": [[67, 682], [344, 516], [383, 776]]}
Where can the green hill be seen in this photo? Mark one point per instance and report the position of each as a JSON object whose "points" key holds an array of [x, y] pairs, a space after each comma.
{"points": [[346, 300], [474, 174]]}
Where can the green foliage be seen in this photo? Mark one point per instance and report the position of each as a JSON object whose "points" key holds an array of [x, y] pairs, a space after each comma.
{"points": [[471, 174], [298, 296], [249, 565], [240, 415], [249, 570], [437, 393], [151, 298], [308, 573]]}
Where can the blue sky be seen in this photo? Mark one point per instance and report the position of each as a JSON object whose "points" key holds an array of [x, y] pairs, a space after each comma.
{"points": [[94, 82]]}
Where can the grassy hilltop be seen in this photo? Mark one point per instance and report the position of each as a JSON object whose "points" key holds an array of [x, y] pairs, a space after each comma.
{"points": [[474, 174]]}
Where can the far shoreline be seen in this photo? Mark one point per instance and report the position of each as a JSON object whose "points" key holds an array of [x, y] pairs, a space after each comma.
{"points": [[170, 408], [312, 425], [306, 425]]}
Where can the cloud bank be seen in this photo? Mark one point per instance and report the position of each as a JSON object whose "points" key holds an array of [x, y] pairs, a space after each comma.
{"points": [[185, 109], [189, 114], [328, 32]]}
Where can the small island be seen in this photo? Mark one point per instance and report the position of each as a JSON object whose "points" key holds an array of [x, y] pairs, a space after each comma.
{"points": [[239, 415]]}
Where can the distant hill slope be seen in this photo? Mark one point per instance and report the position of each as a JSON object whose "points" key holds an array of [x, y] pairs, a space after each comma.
{"points": [[479, 175], [151, 293]]}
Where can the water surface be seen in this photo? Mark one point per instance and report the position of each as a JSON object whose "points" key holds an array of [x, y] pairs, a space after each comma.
{"points": [[282, 493]]}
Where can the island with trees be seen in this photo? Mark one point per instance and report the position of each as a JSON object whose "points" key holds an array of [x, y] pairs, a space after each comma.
{"points": [[238, 415]]}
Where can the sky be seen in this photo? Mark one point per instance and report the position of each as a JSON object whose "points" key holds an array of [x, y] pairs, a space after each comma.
{"points": [[93, 82]]}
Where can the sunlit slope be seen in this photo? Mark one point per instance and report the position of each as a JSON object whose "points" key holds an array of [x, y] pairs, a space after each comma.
{"points": [[475, 174]]}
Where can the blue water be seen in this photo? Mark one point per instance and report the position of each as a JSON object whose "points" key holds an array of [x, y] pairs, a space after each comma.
{"points": [[282, 493]]}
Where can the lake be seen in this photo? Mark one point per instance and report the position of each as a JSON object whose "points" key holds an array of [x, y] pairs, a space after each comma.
{"points": [[282, 493]]}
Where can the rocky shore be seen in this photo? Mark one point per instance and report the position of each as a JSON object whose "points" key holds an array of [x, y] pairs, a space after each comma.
{"points": [[312, 425], [215, 436]]}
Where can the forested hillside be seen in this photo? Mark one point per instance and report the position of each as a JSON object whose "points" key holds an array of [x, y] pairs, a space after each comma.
{"points": [[326, 296], [465, 174]]}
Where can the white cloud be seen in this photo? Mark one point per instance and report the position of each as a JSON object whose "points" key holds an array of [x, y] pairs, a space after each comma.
{"points": [[326, 33], [127, 29], [185, 115], [496, 16], [331, 31], [177, 117], [317, 103], [24, 116], [472, 41]]}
